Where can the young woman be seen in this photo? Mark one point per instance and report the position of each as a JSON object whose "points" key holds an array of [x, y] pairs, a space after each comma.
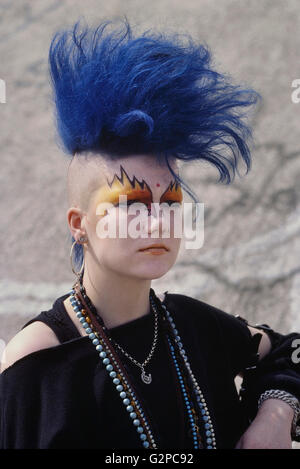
{"points": [[113, 364]]}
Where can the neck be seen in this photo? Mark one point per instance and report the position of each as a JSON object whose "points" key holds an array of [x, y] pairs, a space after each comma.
{"points": [[118, 299]]}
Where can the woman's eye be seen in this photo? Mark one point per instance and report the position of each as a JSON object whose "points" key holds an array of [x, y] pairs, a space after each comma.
{"points": [[170, 202], [129, 202]]}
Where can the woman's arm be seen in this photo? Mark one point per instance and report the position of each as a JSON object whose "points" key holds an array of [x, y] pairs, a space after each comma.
{"points": [[270, 429], [272, 424]]}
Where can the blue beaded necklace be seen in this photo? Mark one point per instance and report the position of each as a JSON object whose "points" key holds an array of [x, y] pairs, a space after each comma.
{"points": [[194, 400]]}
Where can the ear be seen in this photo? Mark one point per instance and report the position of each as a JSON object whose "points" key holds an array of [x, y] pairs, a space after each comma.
{"points": [[75, 218]]}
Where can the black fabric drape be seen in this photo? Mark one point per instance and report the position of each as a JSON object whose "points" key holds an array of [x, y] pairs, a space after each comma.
{"points": [[62, 397]]}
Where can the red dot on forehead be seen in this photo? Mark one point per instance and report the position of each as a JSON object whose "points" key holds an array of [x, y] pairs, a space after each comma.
{"points": [[157, 185]]}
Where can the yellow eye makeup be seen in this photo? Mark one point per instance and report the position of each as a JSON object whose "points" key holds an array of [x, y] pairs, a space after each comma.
{"points": [[172, 194], [135, 191]]}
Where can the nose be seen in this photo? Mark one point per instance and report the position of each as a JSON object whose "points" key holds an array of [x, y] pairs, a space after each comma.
{"points": [[156, 227]]}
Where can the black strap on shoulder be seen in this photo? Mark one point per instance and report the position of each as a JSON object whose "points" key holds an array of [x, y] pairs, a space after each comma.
{"points": [[58, 320]]}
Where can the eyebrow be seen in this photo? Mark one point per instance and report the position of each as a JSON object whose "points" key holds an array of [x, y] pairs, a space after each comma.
{"points": [[138, 190], [125, 181]]}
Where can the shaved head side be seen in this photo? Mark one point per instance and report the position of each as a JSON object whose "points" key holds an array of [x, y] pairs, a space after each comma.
{"points": [[89, 171], [86, 172]]}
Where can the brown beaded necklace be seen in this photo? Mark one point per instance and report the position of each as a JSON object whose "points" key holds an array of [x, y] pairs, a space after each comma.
{"points": [[190, 395]]}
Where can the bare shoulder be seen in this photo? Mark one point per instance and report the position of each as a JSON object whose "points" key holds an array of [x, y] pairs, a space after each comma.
{"points": [[36, 336]]}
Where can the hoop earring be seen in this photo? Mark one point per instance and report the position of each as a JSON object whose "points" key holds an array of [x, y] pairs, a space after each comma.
{"points": [[79, 273]]}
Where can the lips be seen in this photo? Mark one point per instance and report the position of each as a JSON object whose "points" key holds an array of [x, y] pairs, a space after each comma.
{"points": [[155, 246]]}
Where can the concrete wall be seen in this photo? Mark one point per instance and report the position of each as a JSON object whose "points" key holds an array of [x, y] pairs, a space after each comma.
{"points": [[250, 261]]}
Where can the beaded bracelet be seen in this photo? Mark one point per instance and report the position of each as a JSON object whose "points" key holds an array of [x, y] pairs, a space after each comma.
{"points": [[289, 399]]}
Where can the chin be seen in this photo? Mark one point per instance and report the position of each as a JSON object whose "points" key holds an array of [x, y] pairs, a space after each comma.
{"points": [[151, 276], [152, 271]]}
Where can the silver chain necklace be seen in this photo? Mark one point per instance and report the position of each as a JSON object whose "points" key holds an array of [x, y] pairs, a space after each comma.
{"points": [[144, 377]]}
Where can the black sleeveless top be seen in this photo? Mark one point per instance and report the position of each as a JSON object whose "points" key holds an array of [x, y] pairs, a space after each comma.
{"points": [[62, 396]]}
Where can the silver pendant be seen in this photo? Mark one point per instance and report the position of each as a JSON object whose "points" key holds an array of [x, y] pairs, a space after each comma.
{"points": [[146, 378]]}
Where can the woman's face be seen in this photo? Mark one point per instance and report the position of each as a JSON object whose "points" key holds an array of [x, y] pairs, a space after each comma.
{"points": [[143, 181]]}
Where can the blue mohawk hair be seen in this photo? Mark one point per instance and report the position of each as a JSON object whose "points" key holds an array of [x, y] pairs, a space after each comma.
{"points": [[151, 94]]}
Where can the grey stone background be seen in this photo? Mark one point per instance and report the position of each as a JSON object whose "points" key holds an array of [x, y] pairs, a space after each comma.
{"points": [[250, 261]]}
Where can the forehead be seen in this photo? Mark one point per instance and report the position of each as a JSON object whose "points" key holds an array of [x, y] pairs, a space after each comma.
{"points": [[139, 176], [141, 167]]}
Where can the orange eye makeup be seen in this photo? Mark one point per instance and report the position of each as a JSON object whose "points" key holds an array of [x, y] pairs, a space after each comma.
{"points": [[172, 194], [135, 191]]}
